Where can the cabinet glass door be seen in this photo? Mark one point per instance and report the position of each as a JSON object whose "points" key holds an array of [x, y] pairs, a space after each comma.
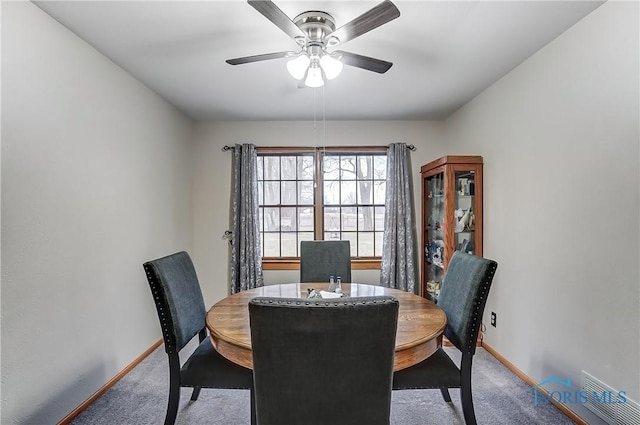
{"points": [[434, 234], [464, 214]]}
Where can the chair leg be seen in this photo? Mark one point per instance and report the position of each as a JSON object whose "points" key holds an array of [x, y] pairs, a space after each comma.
{"points": [[445, 394], [174, 389], [196, 393], [196, 390], [466, 397], [253, 406]]}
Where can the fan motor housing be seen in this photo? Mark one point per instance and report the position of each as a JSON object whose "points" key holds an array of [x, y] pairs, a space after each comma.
{"points": [[316, 25]]}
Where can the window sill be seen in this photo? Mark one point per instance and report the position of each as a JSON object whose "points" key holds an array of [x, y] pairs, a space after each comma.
{"points": [[294, 264]]}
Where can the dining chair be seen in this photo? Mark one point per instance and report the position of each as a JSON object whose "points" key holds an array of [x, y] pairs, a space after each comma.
{"points": [[463, 296], [178, 299], [321, 362], [321, 259]]}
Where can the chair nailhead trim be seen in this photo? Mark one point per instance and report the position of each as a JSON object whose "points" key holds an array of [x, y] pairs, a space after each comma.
{"points": [[162, 315]]}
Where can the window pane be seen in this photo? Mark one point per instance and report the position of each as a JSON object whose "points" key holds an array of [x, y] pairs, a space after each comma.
{"points": [[365, 192], [332, 192], [380, 192], [365, 218], [380, 167], [365, 166], [379, 221], [305, 219], [349, 219], [304, 236], [271, 219], [288, 219], [289, 193], [365, 244], [305, 168], [288, 167], [331, 219], [289, 245], [331, 167], [261, 220], [260, 170], [378, 241], [260, 193], [331, 236], [348, 167], [305, 192], [271, 193], [348, 192], [352, 237], [271, 168], [271, 245]]}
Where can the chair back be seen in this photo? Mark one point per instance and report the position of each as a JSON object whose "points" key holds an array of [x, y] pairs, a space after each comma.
{"points": [[321, 259], [319, 362], [178, 298], [463, 297]]}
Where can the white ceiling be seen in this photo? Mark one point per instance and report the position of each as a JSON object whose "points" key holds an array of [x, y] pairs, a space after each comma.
{"points": [[443, 54]]}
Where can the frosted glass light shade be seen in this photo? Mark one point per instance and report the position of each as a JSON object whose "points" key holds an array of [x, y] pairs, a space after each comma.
{"points": [[332, 67], [314, 77], [298, 67]]}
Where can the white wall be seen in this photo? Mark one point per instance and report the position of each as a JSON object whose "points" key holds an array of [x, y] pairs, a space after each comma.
{"points": [[559, 136], [212, 187], [95, 180]]}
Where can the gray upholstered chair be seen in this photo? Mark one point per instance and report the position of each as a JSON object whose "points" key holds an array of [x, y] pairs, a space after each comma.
{"points": [[178, 299], [323, 362], [321, 259], [463, 296]]}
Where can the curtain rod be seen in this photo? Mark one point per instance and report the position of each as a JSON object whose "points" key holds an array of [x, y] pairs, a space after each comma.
{"points": [[230, 148]]}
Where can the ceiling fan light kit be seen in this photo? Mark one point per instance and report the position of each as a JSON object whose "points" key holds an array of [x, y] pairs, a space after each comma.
{"points": [[331, 67], [314, 68], [314, 32], [314, 76], [298, 67]]}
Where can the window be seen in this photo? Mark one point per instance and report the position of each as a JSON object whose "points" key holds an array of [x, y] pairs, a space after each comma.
{"points": [[321, 193], [286, 199]]}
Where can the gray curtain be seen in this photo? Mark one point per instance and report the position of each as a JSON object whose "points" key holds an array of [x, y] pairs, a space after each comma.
{"points": [[399, 262], [246, 256]]}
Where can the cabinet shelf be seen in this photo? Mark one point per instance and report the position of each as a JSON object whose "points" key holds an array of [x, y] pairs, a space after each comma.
{"points": [[466, 231]]}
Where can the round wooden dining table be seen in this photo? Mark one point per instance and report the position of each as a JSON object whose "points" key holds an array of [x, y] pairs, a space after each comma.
{"points": [[419, 332]]}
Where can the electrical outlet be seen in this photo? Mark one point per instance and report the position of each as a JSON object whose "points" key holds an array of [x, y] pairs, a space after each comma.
{"points": [[493, 319]]}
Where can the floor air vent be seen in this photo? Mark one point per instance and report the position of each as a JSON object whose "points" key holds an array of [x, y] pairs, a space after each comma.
{"points": [[628, 413], [607, 403]]}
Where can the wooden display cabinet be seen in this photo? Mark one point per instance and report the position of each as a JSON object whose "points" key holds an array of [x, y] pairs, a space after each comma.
{"points": [[451, 216]]}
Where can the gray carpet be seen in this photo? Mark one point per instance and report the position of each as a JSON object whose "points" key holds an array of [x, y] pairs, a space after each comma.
{"points": [[500, 397]]}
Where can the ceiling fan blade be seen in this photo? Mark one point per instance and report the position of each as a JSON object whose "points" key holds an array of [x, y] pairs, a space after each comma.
{"points": [[373, 18], [258, 58], [270, 11], [364, 62]]}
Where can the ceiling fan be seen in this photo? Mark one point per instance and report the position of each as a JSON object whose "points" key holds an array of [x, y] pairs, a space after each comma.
{"points": [[315, 32]]}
